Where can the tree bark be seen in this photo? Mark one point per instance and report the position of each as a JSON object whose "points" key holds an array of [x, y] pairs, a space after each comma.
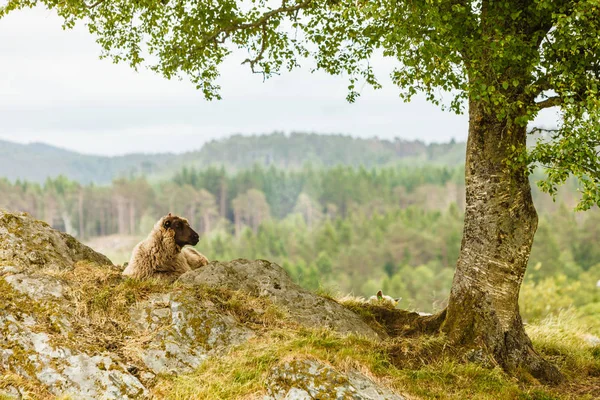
{"points": [[500, 222]]}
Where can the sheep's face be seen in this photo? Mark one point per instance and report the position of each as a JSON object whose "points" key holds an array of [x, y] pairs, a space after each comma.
{"points": [[181, 230]]}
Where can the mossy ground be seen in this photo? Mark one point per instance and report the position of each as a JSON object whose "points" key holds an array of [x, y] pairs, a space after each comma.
{"points": [[421, 367]]}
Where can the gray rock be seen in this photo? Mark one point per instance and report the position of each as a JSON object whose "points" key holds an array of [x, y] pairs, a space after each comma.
{"points": [[264, 278], [27, 243], [37, 341], [47, 323], [36, 287], [9, 269], [58, 368], [183, 332], [308, 379], [592, 340]]}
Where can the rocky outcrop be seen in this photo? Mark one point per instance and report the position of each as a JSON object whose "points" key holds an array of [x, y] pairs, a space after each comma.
{"points": [[33, 245], [187, 330], [70, 324], [266, 279]]}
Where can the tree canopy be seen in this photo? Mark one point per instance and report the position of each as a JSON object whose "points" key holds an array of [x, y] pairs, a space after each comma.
{"points": [[515, 57]]}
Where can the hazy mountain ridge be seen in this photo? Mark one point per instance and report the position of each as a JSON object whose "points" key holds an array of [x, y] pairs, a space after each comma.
{"points": [[37, 161], [296, 149]]}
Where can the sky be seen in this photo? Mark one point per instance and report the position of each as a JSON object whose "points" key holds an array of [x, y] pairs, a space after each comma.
{"points": [[55, 89]]}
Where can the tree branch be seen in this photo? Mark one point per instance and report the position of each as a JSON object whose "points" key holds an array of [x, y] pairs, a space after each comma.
{"points": [[93, 5], [549, 102], [543, 130], [213, 37], [259, 56], [542, 84]]}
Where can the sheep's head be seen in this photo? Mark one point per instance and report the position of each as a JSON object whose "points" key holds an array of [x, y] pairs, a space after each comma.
{"points": [[180, 229]]}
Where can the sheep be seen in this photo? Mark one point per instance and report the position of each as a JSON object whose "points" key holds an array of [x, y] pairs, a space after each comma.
{"points": [[163, 253], [380, 298]]}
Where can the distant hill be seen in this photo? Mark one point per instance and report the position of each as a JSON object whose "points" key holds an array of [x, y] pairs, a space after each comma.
{"points": [[297, 149], [37, 161]]}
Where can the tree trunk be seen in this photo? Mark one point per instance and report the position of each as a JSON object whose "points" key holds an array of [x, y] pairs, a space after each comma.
{"points": [[121, 204], [206, 219], [192, 215], [223, 198], [500, 222], [238, 222], [80, 214], [131, 217]]}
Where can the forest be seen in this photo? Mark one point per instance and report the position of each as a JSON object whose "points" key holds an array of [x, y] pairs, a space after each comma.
{"points": [[339, 230], [35, 162]]}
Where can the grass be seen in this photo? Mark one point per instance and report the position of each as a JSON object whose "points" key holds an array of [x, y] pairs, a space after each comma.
{"points": [[243, 372], [419, 368], [429, 370], [562, 340], [100, 302]]}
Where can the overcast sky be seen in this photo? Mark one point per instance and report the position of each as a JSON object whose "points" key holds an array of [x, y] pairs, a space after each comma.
{"points": [[54, 89]]}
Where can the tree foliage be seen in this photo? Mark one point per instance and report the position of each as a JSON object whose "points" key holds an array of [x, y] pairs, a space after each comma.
{"points": [[514, 57]]}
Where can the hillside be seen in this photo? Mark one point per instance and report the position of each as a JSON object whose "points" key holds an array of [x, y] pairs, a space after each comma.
{"points": [[74, 328], [296, 149], [36, 162]]}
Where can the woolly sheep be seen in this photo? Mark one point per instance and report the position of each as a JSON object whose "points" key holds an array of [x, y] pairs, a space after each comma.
{"points": [[163, 253]]}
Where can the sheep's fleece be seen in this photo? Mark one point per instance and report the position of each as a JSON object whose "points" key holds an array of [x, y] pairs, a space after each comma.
{"points": [[162, 253]]}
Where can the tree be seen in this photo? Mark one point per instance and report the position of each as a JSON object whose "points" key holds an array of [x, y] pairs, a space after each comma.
{"points": [[503, 60], [208, 209], [309, 209], [250, 208]]}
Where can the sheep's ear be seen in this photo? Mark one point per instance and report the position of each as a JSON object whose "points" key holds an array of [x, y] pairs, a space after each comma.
{"points": [[380, 295], [398, 299], [169, 215]]}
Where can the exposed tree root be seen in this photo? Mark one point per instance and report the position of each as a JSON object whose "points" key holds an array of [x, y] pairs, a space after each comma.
{"points": [[477, 341]]}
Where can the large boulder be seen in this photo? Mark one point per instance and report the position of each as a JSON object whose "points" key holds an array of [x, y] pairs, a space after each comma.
{"points": [[40, 353], [264, 278], [31, 244], [70, 324]]}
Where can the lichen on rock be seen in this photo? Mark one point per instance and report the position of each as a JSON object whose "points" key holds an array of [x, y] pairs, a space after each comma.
{"points": [[310, 379], [183, 332], [33, 245], [266, 279], [70, 324]]}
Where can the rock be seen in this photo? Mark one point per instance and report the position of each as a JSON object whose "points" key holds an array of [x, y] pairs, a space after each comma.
{"points": [[308, 379], [264, 278], [591, 340], [28, 243], [37, 341], [71, 325], [60, 370], [36, 288], [187, 332]]}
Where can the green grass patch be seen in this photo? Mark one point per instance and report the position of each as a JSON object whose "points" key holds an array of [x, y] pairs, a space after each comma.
{"points": [[427, 368]]}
